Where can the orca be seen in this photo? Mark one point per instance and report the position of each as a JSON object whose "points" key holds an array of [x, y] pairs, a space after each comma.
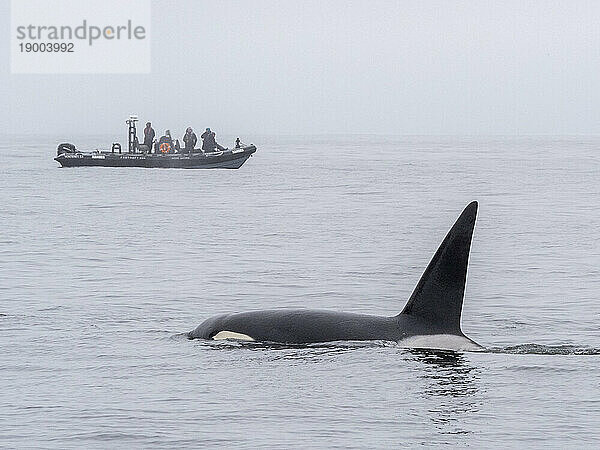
{"points": [[430, 319]]}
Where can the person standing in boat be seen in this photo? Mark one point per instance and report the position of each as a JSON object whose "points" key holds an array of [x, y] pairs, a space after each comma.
{"points": [[208, 141], [149, 135], [165, 143], [190, 140]]}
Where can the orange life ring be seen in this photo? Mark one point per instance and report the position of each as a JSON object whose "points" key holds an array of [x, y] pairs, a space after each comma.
{"points": [[165, 147]]}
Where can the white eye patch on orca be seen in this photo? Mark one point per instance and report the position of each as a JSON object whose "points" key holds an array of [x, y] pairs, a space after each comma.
{"points": [[222, 335]]}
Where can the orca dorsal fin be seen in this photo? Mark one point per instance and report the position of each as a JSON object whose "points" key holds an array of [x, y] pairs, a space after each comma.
{"points": [[438, 296]]}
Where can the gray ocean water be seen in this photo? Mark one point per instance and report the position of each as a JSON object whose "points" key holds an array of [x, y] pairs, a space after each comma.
{"points": [[102, 270]]}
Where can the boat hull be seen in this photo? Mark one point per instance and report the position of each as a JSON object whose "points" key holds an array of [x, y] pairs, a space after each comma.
{"points": [[229, 159]]}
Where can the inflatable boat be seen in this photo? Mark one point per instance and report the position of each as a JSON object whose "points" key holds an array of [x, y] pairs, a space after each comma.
{"points": [[225, 159], [142, 156]]}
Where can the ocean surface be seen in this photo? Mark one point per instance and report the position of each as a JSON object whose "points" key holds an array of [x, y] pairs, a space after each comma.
{"points": [[102, 271]]}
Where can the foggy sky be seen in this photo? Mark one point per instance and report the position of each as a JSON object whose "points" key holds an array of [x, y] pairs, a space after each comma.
{"points": [[298, 67]]}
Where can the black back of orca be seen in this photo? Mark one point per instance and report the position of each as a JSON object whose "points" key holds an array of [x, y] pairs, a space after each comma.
{"points": [[434, 307]]}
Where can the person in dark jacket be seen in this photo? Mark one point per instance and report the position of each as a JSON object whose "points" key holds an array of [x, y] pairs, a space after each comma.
{"points": [[148, 135], [165, 143], [208, 141], [190, 140]]}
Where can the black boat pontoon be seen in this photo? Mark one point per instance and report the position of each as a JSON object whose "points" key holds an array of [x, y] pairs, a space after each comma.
{"points": [[142, 156]]}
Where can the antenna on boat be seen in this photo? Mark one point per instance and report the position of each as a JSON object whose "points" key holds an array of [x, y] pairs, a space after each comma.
{"points": [[132, 139]]}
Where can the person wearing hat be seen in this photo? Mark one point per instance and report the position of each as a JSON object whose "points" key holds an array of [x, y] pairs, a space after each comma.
{"points": [[190, 140], [208, 141], [149, 135]]}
